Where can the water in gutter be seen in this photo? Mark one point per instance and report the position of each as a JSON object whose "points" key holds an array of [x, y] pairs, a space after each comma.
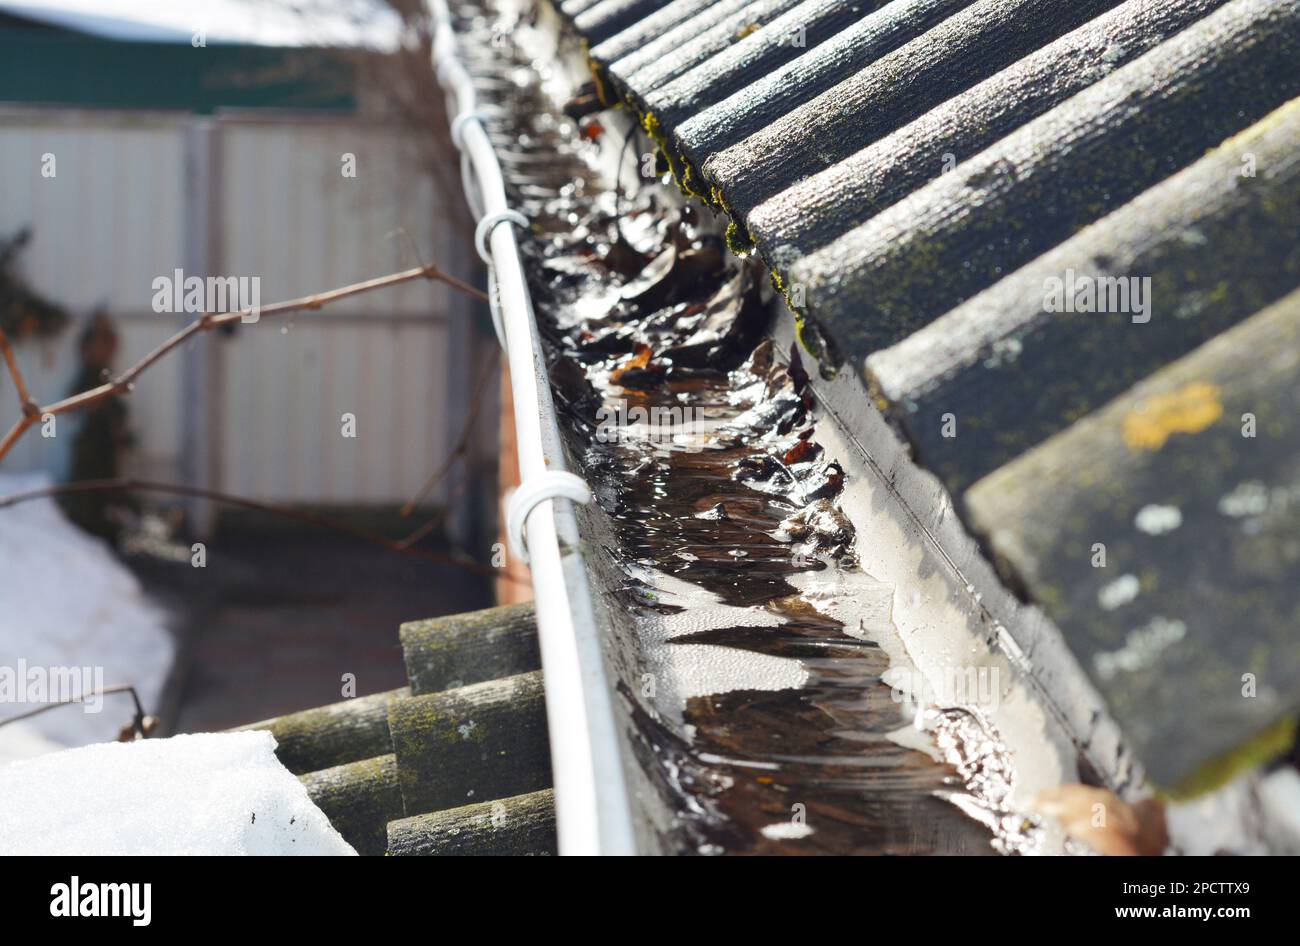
{"points": [[768, 704]]}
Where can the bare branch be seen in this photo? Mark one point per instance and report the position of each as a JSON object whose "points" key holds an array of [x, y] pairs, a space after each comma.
{"points": [[24, 396], [205, 323], [137, 722]]}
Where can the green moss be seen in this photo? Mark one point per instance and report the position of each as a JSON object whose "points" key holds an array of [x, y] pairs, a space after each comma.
{"points": [[598, 76], [738, 239], [690, 182], [650, 122], [811, 339], [1265, 747]]}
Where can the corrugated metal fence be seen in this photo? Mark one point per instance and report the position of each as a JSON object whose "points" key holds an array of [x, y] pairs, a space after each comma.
{"points": [[135, 196]]}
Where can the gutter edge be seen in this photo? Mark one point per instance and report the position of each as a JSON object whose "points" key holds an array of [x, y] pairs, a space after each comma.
{"points": [[593, 809]]}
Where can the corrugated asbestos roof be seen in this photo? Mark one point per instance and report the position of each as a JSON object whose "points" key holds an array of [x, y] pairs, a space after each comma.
{"points": [[456, 763], [923, 177]]}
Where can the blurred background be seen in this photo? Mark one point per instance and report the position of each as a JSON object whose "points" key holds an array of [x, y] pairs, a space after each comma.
{"points": [[303, 143]]}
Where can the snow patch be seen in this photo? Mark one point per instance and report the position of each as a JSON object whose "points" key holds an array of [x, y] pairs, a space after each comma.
{"points": [[67, 602], [786, 830], [257, 22], [208, 794]]}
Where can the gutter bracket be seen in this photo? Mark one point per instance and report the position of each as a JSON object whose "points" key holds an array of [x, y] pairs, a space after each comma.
{"points": [[555, 484], [484, 230]]}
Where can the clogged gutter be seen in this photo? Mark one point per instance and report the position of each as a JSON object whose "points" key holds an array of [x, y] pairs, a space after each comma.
{"points": [[753, 653]]}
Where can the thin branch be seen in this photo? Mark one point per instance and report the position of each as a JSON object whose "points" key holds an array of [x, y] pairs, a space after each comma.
{"points": [[438, 518], [403, 546], [206, 323], [73, 700], [24, 396], [31, 410]]}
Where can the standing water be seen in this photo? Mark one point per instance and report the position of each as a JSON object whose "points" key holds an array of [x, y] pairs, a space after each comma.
{"points": [[755, 677]]}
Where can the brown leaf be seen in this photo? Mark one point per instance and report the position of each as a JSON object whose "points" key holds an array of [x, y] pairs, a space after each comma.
{"points": [[802, 450], [638, 371]]}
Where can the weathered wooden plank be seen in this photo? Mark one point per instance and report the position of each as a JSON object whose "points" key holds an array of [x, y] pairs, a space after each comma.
{"points": [[448, 652], [475, 743], [957, 53], [359, 798], [958, 235], [522, 825], [674, 54], [601, 21], [798, 33], [820, 208], [1190, 486], [1204, 250], [331, 735]]}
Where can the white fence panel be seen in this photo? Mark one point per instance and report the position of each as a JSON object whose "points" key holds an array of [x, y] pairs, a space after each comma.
{"points": [[113, 218]]}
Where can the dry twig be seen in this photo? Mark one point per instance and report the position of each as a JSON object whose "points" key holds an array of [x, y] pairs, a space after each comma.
{"points": [[141, 723], [404, 545]]}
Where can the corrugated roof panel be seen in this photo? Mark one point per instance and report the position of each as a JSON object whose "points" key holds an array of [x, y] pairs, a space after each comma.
{"points": [[602, 20], [571, 8], [758, 98], [960, 234], [392, 771], [820, 208], [1189, 628], [950, 58], [1214, 245], [918, 198], [664, 60], [802, 27], [663, 31]]}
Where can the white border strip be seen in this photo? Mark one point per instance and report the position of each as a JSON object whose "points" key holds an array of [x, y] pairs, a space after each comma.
{"points": [[593, 813]]}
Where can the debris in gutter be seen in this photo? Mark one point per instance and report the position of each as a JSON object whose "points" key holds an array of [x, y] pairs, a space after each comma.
{"points": [[718, 502]]}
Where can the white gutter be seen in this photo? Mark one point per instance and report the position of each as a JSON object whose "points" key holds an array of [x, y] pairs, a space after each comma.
{"points": [[593, 813]]}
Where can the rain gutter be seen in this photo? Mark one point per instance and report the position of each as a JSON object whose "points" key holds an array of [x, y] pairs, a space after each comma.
{"points": [[593, 813]]}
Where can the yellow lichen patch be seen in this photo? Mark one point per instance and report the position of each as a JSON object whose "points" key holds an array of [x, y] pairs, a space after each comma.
{"points": [[1188, 410], [1264, 747], [598, 76], [746, 30]]}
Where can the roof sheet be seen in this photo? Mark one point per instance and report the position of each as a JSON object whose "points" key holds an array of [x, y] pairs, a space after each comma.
{"points": [[457, 763], [920, 174]]}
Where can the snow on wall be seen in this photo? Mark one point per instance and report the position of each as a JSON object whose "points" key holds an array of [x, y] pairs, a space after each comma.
{"points": [[257, 22]]}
